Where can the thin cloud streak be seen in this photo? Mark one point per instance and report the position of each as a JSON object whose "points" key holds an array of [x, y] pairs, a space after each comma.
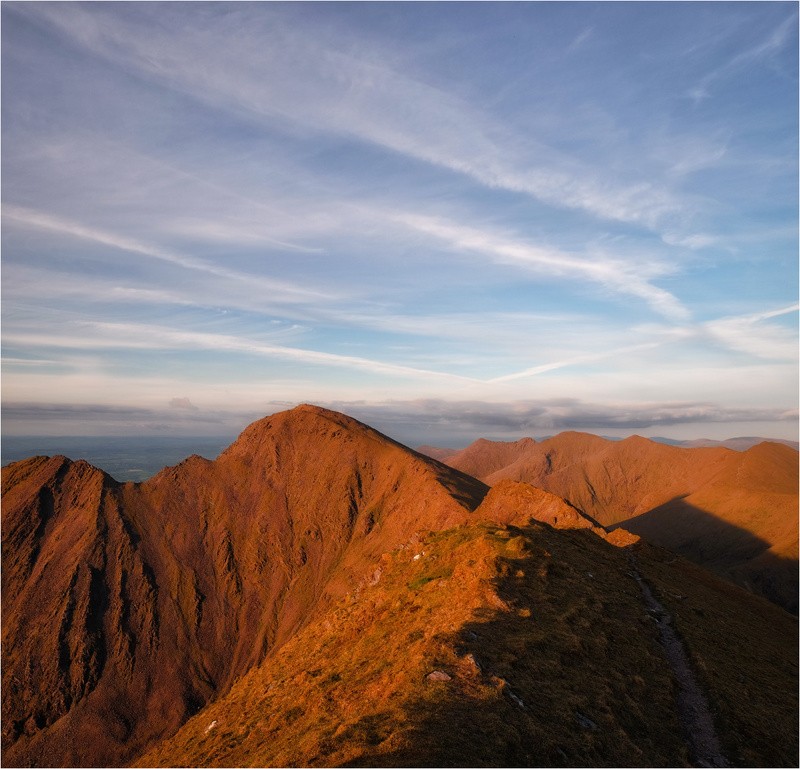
{"points": [[576, 361], [770, 45], [611, 273], [38, 283], [57, 224], [750, 335], [144, 337]]}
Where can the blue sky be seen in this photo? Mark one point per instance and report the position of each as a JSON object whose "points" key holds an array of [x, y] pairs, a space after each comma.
{"points": [[450, 220]]}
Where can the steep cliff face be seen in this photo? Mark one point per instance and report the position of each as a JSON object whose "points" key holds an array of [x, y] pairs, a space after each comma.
{"points": [[82, 619], [126, 607]]}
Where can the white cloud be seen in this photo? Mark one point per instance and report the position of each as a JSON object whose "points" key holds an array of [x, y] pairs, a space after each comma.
{"points": [[751, 335], [104, 336], [44, 221], [28, 283], [633, 279], [770, 45], [580, 39], [578, 360], [696, 241]]}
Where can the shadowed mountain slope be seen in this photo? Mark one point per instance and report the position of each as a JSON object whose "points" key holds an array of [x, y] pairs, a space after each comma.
{"points": [[735, 512]]}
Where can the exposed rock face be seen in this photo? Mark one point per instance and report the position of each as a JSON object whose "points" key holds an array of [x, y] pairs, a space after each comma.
{"points": [[78, 608], [126, 607], [734, 512], [516, 502]]}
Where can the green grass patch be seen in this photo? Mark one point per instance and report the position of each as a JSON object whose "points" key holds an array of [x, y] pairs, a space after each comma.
{"points": [[445, 572]]}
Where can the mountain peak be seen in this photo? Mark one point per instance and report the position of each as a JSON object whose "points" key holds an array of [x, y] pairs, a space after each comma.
{"points": [[307, 419], [151, 576], [519, 503]]}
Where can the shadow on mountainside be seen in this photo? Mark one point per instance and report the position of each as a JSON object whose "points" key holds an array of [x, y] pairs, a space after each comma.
{"points": [[570, 673], [730, 551]]}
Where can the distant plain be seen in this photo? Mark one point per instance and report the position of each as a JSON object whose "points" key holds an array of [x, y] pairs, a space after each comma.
{"points": [[124, 457]]}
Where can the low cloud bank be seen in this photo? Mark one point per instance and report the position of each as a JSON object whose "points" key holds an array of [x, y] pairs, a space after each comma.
{"points": [[466, 420], [432, 421], [180, 417]]}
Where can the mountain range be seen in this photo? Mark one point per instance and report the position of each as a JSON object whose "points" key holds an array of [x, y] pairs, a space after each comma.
{"points": [[732, 511], [321, 595], [737, 444]]}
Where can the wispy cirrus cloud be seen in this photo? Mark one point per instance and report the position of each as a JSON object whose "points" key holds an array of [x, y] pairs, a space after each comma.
{"points": [[750, 334], [45, 221], [36, 283], [97, 335], [124, 185], [580, 360], [632, 279], [775, 41], [308, 81]]}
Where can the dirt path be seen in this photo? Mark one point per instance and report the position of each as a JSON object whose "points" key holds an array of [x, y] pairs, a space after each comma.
{"points": [[695, 716]]}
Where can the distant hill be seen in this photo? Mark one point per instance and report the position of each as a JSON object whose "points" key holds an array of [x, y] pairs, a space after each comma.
{"points": [[321, 595], [737, 444], [733, 511], [436, 452]]}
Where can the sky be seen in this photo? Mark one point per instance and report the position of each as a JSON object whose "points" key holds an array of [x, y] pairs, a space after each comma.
{"points": [[449, 220]]}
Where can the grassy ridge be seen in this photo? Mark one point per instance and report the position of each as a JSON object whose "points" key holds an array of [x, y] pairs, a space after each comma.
{"points": [[549, 659]]}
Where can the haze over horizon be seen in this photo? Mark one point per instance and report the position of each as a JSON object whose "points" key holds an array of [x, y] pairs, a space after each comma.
{"points": [[446, 220]]}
